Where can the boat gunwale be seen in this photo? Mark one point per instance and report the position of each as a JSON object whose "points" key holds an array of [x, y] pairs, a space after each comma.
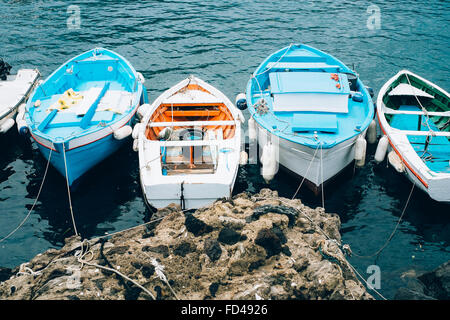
{"points": [[136, 95]]}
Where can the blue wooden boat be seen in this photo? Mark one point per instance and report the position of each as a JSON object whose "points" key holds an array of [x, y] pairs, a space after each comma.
{"points": [[309, 112], [82, 112]]}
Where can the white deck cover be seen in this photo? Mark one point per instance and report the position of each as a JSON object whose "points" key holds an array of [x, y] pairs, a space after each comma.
{"points": [[404, 89]]}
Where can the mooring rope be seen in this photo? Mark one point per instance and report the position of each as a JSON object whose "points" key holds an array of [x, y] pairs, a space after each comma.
{"points": [[35, 200], [307, 171], [68, 191], [321, 171], [393, 232]]}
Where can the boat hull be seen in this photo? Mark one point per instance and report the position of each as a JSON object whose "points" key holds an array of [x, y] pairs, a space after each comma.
{"points": [[298, 158], [187, 195], [81, 160]]}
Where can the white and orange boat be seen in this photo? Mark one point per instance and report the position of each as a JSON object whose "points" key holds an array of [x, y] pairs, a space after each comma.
{"points": [[189, 144]]}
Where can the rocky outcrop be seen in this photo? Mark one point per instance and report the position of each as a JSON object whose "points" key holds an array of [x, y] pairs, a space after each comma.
{"points": [[249, 247], [434, 285]]}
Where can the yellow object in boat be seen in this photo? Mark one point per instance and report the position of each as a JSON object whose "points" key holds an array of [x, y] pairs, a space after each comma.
{"points": [[62, 104], [73, 95]]}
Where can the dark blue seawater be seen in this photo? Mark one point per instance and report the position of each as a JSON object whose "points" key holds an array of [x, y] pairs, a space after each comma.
{"points": [[222, 42]]}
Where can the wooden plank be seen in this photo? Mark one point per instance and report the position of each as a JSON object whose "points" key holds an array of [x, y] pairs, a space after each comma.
{"points": [[189, 143], [192, 123], [86, 120], [47, 120], [431, 113], [424, 133], [192, 113]]}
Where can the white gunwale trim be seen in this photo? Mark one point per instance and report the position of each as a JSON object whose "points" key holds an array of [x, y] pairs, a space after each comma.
{"points": [[192, 143], [421, 133], [438, 114]]}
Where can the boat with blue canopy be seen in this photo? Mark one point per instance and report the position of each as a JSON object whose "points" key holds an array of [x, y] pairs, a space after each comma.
{"points": [[310, 113], [82, 112]]}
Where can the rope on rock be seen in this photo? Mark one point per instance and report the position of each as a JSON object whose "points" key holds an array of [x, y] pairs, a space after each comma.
{"points": [[35, 200], [85, 250], [159, 270]]}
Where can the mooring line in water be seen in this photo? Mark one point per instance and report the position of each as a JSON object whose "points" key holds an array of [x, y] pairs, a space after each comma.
{"points": [[321, 171], [395, 228], [35, 200], [68, 191], [307, 171]]}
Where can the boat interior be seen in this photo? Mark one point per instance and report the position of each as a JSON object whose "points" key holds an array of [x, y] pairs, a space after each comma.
{"points": [[190, 128], [404, 112], [83, 94], [303, 89]]}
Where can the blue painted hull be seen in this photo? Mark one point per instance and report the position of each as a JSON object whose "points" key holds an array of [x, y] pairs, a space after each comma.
{"points": [[82, 159]]}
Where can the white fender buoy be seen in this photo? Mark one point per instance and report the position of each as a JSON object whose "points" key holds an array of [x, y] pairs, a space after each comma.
{"points": [[21, 109], [269, 164], [243, 158], [136, 129], [123, 132], [381, 149], [252, 129], [360, 148], [372, 132], [142, 110], [362, 162], [22, 127], [8, 124], [135, 145], [396, 162]]}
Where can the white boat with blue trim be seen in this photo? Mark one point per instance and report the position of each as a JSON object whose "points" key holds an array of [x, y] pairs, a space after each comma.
{"points": [[310, 113], [414, 116], [82, 112]]}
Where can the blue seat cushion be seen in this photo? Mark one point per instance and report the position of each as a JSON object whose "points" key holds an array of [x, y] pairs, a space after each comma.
{"points": [[310, 122]]}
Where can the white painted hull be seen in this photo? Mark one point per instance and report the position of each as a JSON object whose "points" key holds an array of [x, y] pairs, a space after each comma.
{"points": [[14, 91], [189, 190], [436, 185], [187, 195], [298, 158]]}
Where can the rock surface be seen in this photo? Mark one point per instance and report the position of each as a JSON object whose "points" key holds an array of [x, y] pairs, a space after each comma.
{"points": [[248, 247], [434, 285]]}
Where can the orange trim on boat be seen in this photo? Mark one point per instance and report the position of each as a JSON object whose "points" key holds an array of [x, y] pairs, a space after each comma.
{"points": [[398, 153], [191, 112]]}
